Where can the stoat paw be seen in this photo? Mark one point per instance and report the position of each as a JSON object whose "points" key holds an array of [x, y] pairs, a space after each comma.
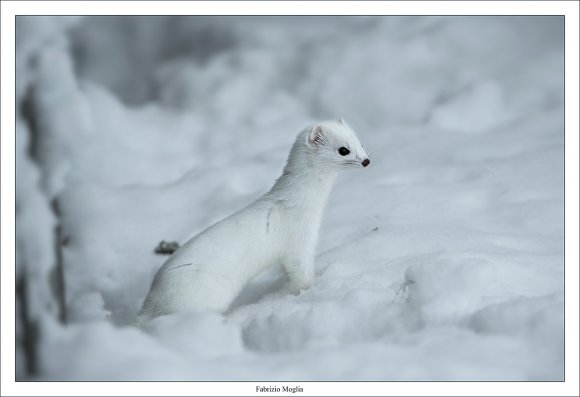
{"points": [[303, 283]]}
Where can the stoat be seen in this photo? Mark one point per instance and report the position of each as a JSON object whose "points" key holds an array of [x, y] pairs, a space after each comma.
{"points": [[281, 227]]}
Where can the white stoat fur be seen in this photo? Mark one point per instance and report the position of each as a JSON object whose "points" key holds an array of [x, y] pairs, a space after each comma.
{"points": [[281, 227]]}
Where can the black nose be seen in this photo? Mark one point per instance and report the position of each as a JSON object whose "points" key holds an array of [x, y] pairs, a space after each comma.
{"points": [[366, 162]]}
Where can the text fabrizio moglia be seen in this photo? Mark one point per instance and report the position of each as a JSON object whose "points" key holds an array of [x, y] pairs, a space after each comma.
{"points": [[276, 389]]}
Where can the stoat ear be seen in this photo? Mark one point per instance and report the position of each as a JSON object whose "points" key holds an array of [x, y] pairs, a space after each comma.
{"points": [[315, 136], [342, 122]]}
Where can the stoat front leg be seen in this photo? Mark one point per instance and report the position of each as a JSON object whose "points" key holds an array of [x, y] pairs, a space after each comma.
{"points": [[300, 270]]}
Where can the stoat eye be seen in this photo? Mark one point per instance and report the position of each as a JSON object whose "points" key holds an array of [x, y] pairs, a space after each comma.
{"points": [[343, 151]]}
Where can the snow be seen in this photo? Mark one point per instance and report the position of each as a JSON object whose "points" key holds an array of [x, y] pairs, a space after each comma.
{"points": [[443, 260]]}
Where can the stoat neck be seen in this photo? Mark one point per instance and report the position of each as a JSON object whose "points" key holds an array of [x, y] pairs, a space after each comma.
{"points": [[304, 184]]}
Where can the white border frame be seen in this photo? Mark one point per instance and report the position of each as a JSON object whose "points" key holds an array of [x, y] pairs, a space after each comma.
{"points": [[9, 9]]}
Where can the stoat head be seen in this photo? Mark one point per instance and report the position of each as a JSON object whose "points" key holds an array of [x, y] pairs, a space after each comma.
{"points": [[336, 144]]}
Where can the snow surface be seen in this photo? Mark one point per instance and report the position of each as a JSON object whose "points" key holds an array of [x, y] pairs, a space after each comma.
{"points": [[443, 260]]}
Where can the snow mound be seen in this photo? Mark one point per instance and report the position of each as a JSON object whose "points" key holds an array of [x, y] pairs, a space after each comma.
{"points": [[443, 260], [481, 107], [205, 335]]}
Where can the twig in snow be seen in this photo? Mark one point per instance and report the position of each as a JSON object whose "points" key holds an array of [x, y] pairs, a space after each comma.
{"points": [[166, 247]]}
